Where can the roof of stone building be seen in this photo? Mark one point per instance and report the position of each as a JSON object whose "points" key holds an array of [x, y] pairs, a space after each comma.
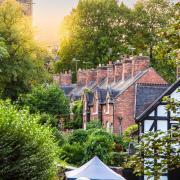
{"points": [[146, 94], [115, 88], [90, 97], [158, 100], [68, 89]]}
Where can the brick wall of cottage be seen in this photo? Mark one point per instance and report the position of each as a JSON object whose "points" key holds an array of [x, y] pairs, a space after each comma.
{"points": [[65, 79], [124, 105]]}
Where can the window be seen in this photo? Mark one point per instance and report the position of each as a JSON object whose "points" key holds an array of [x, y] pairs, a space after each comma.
{"points": [[161, 111], [107, 106]]}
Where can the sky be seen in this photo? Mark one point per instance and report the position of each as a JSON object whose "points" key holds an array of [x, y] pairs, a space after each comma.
{"points": [[48, 14]]}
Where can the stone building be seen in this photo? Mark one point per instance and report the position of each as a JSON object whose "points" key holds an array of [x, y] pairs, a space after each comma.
{"points": [[116, 93], [27, 6]]}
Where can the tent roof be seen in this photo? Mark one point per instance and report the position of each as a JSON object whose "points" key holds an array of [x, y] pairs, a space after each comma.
{"points": [[95, 169]]}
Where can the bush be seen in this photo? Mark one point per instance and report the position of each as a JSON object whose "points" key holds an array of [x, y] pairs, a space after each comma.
{"points": [[130, 130], [118, 158], [27, 149], [50, 100], [78, 136], [47, 119], [100, 145], [72, 153], [58, 136], [94, 124], [127, 135]]}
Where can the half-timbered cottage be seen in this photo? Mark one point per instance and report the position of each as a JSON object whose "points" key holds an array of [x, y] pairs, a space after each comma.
{"points": [[155, 116]]}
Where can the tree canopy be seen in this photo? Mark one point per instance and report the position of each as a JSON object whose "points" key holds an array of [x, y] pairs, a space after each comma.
{"points": [[92, 33], [46, 99], [99, 30], [27, 149], [21, 63]]}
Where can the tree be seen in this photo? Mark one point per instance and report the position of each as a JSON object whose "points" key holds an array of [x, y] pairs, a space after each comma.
{"points": [[76, 121], [149, 16], [167, 49], [157, 152], [101, 144], [27, 149], [93, 32], [46, 99], [23, 65]]}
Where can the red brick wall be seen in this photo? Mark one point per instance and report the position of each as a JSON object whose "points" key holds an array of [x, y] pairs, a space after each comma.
{"points": [[125, 104], [91, 75], [127, 69], [107, 117], [65, 78], [81, 77], [101, 74], [124, 108], [152, 77], [118, 71], [110, 72], [139, 64]]}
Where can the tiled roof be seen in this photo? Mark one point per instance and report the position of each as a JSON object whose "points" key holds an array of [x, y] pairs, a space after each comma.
{"points": [[146, 94], [90, 97], [158, 100], [68, 89]]}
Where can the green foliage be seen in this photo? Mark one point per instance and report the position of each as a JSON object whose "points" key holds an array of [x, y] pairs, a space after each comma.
{"points": [[77, 120], [27, 149], [50, 100], [100, 144], [47, 119], [72, 154], [149, 17], [127, 135], [130, 130], [21, 59], [59, 137], [118, 158], [150, 150], [166, 50], [93, 33], [95, 124], [78, 136]]}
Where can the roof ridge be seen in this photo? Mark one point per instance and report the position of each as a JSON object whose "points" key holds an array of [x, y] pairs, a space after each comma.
{"points": [[152, 84]]}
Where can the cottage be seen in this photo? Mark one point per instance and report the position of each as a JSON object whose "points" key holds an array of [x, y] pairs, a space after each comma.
{"points": [[114, 93]]}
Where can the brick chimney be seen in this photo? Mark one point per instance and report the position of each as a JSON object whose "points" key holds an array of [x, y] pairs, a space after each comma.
{"points": [[139, 64], [66, 78], [127, 69], [110, 72], [81, 77], [118, 70], [56, 78], [101, 73], [91, 75]]}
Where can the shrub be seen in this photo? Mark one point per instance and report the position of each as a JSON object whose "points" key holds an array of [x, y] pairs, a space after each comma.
{"points": [[72, 153], [94, 124], [130, 130], [127, 135], [78, 136], [47, 119], [27, 149], [50, 100], [118, 158], [100, 145]]}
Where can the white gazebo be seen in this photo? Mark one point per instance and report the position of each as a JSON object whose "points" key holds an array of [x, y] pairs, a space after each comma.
{"points": [[94, 169]]}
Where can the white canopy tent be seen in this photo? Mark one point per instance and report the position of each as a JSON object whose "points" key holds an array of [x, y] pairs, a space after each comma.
{"points": [[95, 169]]}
